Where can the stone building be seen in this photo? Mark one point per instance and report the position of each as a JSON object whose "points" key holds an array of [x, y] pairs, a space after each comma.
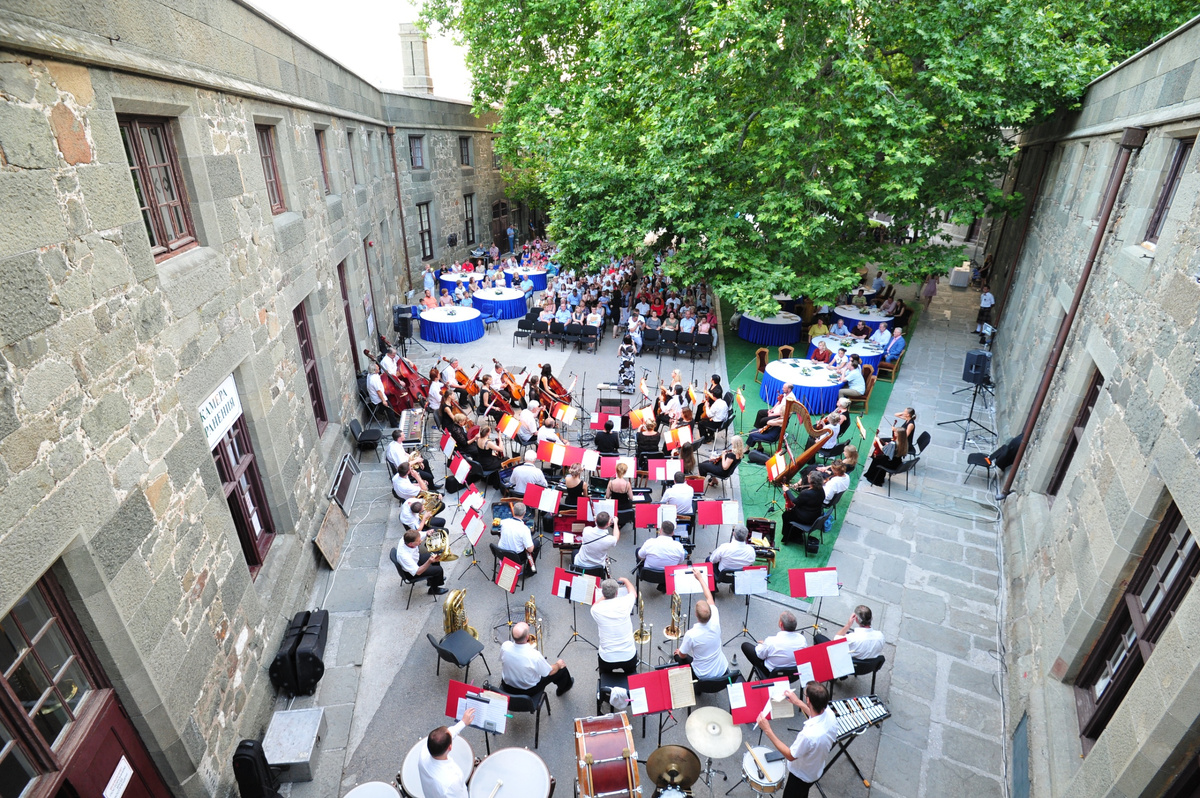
{"points": [[1103, 666], [203, 221]]}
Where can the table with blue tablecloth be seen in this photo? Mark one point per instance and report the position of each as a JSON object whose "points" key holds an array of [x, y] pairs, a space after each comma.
{"points": [[775, 331], [503, 303], [450, 281], [814, 389], [451, 325], [852, 315], [869, 353], [513, 277]]}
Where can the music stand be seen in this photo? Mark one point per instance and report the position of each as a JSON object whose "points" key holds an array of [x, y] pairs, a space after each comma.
{"points": [[471, 524], [814, 583], [472, 695], [751, 581], [507, 571], [650, 693], [966, 423], [562, 586]]}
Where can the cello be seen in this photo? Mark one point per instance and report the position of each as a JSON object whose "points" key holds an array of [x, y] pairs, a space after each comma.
{"points": [[464, 382], [395, 392], [515, 390], [556, 392]]}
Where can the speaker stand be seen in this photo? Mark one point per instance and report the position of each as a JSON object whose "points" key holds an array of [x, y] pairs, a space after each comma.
{"points": [[967, 422]]}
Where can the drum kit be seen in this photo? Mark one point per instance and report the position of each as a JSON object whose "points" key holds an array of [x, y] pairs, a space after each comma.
{"points": [[712, 732]]}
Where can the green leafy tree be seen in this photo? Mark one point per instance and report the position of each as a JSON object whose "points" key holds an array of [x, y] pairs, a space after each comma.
{"points": [[759, 139]]}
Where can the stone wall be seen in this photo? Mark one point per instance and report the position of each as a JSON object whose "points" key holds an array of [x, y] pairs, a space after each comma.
{"points": [[106, 477], [1069, 557]]}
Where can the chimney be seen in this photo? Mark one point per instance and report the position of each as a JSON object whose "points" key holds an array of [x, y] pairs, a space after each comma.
{"points": [[414, 53]]}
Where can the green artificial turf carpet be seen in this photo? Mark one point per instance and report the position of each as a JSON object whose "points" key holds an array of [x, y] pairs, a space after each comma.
{"points": [[756, 494]]}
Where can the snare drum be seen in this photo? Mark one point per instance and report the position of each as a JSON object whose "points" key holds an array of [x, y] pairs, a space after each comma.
{"points": [[521, 772], [613, 769], [776, 772], [410, 773]]}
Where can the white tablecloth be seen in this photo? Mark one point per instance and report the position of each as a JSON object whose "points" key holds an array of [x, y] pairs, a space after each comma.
{"points": [[453, 314], [852, 314], [497, 294], [782, 318]]}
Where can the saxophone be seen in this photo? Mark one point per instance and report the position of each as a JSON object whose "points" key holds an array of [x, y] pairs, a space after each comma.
{"points": [[454, 614], [535, 623], [642, 635], [672, 631]]}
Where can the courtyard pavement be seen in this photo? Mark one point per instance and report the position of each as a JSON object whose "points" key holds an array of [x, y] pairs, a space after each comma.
{"points": [[925, 560]]}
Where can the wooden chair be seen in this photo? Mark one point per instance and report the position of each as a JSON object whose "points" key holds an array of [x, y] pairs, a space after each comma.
{"points": [[865, 401], [785, 352], [888, 371], [761, 356]]}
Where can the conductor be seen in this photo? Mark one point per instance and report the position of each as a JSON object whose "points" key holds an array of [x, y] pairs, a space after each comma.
{"points": [[440, 776]]}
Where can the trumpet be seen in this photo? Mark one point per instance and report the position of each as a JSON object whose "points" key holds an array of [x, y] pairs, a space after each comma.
{"points": [[673, 630], [535, 623], [642, 635]]}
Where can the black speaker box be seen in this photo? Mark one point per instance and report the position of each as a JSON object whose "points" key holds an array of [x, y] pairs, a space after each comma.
{"points": [[310, 652], [283, 668], [404, 327], [978, 366], [252, 771]]}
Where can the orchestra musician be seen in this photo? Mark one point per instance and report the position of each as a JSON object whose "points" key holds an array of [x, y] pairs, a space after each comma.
{"points": [[723, 465], [410, 517], [614, 628], [396, 454], [715, 415], [595, 544], [375, 394], [768, 432], [418, 566], [776, 410], [389, 361], [701, 645], [607, 442], [806, 756], [528, 430], [441, 777], [436, 390], [487, 398], [779, 650], [551, 389], [450, 377], [808, 501]]}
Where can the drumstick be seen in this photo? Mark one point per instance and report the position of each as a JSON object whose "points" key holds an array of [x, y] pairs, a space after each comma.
{"points": [[496, 789], [758, 763]]}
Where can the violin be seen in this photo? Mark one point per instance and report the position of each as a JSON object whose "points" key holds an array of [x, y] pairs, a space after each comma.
{"points": [[464, 382], [510, 382], [557, 392], [395, 392]]}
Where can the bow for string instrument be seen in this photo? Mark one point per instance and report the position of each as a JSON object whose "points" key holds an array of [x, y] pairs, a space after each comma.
{"points": [[464, 382], [394, 391]]}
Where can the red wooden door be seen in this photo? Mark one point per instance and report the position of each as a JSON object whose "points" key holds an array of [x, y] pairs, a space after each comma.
{"points": [[110, 753]]}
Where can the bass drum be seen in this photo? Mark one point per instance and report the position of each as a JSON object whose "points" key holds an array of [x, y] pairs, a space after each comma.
{"points": [[410, 773], [608, 741]]}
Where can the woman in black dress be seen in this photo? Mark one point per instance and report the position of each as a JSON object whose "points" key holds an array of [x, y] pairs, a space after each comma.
{"points": [[898, 447], [621, 489], [721, 467], [807, 504]]}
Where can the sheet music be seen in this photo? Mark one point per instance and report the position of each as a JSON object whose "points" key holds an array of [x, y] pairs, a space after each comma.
{"points": [[683, 694], [568, 539], [583, 588], [750, 582], [821, 583], [839, 659], [687, 583], [667, 512], [780, 706], [805, 672], [637, 700], [737, 695], [563, 589], [491, 713], [507, 578]]}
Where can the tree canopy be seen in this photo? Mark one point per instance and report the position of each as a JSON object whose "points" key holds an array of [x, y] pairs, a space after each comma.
{"points": [[761, 138]]}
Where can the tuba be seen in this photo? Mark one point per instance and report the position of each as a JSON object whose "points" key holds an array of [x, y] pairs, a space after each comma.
{"points": [[535, 623], [454, 614], [437, 541], [642, 635], [672, 631]]}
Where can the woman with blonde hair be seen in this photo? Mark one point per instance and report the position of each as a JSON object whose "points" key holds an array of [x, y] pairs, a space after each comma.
{"points": [[573, 487], [621, 489], [723, 465]]}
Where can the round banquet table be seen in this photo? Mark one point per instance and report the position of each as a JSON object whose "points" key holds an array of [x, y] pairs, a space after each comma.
{"points": [[852, 315], [503, 303], [452, 325], [537, 276], [451, 281], [867, 351], [786, 302], [775, 331], [814, 390]]}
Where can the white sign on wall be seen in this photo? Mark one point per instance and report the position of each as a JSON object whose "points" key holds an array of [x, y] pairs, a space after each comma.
{"points": [[119, 780], [220, 410]]}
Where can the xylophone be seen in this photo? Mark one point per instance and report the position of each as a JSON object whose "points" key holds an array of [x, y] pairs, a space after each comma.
{"points": [[855, 716]]}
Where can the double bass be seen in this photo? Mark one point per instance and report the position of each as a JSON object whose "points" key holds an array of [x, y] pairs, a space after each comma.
{"points": [[395, 392], [418, 386]]}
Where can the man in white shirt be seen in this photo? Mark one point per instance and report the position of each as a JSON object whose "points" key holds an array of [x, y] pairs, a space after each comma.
{"points": [[527, 474], [865, 642], [778, 650], [410, 517], [525, 671], [806, 756], [547, 433], [515, 536], [595, 544], [395, 453], [701, 645], [882, 336], [529, 423], [375, 394], [662, 551], [680, 495], [403, 486], [733, 556], [614, 627], [441, 777], [417, 567], [718, 411]]}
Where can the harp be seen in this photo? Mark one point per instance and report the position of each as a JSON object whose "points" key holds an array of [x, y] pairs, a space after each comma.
{"points": [[806, 456]]}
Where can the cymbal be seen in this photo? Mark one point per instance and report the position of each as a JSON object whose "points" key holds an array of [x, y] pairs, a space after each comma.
{"points": [[673, 765], [712, 732]]}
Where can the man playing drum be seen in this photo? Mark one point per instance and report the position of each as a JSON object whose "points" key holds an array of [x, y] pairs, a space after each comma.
{"points": [[440, 776]]}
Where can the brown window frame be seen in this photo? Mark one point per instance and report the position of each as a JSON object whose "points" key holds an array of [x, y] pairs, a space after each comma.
{"points": [[1179, 158], [44, 757], [254, 548], [345, 289], [353, 161], [1078, 427], [324, 161], [1095, 711], [161, 247], [416, 151], [464, 151], [308, 361], [469, 212], [425, 230], [265, 134]]}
